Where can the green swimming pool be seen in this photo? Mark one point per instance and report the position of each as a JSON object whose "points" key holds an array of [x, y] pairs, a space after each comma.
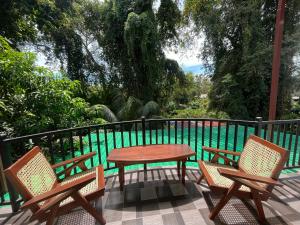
{"points": [[185, 136]]}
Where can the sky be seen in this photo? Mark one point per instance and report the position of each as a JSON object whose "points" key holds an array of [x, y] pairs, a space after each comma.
{"points": [[188, 58]]}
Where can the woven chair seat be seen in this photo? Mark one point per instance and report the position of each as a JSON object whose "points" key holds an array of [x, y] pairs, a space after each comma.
{"points": [[259, 159], [48, 197], [219, 180], [37, 179], [253, 176], [86, 190]]}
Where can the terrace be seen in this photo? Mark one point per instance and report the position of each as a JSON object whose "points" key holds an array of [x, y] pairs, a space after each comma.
{"points": [[155, 195]]}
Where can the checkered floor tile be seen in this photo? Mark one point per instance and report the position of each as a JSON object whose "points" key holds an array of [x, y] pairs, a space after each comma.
{"points": [[158, 198]]}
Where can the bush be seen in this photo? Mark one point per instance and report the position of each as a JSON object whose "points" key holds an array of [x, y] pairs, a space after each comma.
{"points": [[32, 98], [198, 109]]}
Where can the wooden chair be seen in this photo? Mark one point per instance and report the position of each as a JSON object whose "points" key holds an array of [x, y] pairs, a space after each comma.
{"points": [[47, 196], [253, 176]]}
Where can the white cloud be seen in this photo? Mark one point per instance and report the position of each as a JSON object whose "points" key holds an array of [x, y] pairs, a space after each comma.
{"points": [[187, 58], [189, 55]]}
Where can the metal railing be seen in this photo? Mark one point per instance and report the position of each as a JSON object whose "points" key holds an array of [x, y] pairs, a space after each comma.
{"points": [[227, 134]]}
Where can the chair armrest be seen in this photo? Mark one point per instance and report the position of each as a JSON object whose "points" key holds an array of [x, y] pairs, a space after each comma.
{"points": [[59, 189], [238, 174], [74, 160], [215, 150], [217, 155]]}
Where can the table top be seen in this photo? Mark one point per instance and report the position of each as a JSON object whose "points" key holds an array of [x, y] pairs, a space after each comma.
{"points": [[150, 153]]}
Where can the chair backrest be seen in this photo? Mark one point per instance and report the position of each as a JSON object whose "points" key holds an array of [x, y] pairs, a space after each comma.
{"points": [[262, 158], [32, 174]]}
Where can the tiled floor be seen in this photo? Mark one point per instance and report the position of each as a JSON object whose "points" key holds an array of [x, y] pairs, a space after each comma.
{"points": [[157, 198]]}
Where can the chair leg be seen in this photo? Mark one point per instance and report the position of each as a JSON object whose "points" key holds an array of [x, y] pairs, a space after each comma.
{"points": [[200, 179], [52, 215], [234, 187], [86, 205], [260, 209]]}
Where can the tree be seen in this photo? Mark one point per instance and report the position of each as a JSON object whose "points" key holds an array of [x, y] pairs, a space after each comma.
{"points": [[32, 100], [239, 44], [49, 26], [117, 43], [168, 17], [17, 21], [127, 32]]}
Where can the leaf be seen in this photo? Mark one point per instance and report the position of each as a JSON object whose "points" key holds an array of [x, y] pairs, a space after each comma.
{"points": [[151, 108], [102, 111], [132, 109]]}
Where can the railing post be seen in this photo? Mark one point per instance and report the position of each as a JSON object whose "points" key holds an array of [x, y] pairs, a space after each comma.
{"points": [[259, 126], [2, 176], [144, 137], [144, 130], [5, 151]]}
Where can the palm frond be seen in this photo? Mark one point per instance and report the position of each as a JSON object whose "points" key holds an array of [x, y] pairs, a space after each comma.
{"points": [[150, 109], [102, 111], [118, 101], [132, 109]]}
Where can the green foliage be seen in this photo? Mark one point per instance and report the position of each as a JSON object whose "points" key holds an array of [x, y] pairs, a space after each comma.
{"points": [[118, 107], [95, 94], [189, 99], [128, 34], [168, 17], [131, 109], [186, 91], [294, 113], [151, 109], [16, 20], [101, 112], [188, 88], [113, 51], [144, 54], [53, 27], [53, 105], [228, 94], [114, 48], [32, 99], [198, 109], [239, 45]]}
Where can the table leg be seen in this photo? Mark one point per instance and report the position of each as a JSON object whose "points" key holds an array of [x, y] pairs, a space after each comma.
{"points": [[183, 172], [121, 177], [145, 172], [178, 169]]}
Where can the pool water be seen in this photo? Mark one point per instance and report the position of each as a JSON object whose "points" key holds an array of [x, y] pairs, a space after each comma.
{"points": [[184, 136]]}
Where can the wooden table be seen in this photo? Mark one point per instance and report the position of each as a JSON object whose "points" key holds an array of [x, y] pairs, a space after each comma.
{"points": [[149, 154]]}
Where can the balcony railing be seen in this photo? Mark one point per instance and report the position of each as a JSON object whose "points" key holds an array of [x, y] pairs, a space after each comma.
{"points": [[60, 145]]}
